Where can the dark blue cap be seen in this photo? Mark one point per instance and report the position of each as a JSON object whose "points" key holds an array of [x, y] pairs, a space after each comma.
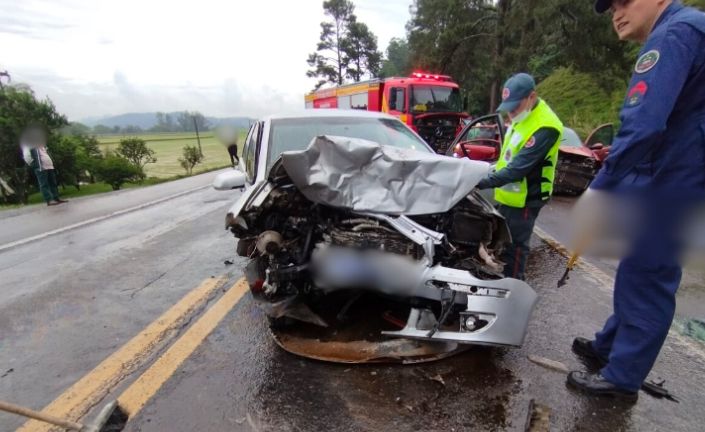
{"points": [[602, 6], [517, 88]]}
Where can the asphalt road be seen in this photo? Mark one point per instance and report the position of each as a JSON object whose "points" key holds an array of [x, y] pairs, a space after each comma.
{"points": [[72, 300]]}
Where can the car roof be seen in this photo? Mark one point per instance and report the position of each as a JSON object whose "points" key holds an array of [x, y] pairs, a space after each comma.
{"points": [[322, 113]]}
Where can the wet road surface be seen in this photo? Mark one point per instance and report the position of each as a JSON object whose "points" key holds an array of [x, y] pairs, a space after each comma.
{"points": [[26, 222], [691, 294], [71, 300], [239, 380]]}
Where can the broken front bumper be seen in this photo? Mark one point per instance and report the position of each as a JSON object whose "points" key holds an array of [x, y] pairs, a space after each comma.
{"points": [[496, 312]]}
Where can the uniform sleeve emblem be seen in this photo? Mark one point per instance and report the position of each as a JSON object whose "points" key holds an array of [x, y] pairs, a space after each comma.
{"points": [[530, 143], [636, 93], [647, 61], [505, 93]]}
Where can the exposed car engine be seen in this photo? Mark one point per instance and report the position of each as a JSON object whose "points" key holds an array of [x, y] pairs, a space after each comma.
{"points": [[308, 240]]}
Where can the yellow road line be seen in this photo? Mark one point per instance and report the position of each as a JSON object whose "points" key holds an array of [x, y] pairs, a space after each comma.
{"points": [[135, 397], [89, 390]]}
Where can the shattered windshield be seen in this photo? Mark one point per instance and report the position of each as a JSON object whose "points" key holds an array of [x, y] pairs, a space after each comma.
{"points": [[430, 98], [297, 133]]}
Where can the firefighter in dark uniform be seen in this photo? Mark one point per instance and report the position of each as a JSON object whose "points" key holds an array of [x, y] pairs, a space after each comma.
{"points": [[523, 177], [657, 161]]}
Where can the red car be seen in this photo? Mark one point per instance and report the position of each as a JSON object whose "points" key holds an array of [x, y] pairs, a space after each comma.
{"points": [[578, 161]]}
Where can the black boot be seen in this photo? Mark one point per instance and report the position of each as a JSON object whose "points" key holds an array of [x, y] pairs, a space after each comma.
{"points": [[583, 348], [596, 384]]}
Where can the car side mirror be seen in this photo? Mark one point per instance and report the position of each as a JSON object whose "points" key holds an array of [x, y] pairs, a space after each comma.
{"points": [[229, 180]]}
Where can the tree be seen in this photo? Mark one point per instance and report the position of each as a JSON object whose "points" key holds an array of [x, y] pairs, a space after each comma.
{"points": [[165, 123], [115, 170], [328, 62], [360, 52], [397, 61], [580, 99], [200, 121], [188, 121], [191, 157], [75, 128], [131, 129], [102, 129], [136, 151], [480, 43], [456, 37], [20, 108]]}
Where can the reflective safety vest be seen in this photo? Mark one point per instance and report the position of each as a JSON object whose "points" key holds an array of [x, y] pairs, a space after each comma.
{"points": [[515, 194]]}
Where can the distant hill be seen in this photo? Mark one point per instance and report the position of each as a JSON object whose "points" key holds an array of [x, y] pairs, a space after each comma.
{"points": [[148, 120]]}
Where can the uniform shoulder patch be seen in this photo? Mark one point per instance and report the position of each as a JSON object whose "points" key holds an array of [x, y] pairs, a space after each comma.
{"points": [[531, 142], [647, 61], [636, 93]]}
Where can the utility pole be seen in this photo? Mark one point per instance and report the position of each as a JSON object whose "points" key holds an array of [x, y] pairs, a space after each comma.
{"points": [[198, 137]]}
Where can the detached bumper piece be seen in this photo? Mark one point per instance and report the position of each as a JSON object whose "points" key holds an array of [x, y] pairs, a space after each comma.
{"points": [[497, 311]]}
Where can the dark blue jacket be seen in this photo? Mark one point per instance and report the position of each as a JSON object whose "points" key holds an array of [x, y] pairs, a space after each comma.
{"points": [[661, 143]]}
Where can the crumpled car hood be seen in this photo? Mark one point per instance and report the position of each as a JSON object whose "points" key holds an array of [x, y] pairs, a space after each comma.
{"points": [[364, 176]]}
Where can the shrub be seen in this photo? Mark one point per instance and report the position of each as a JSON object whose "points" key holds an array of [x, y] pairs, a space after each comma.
{"points": [[116, 170], [582, 101], [192, 157], [136, 151]]}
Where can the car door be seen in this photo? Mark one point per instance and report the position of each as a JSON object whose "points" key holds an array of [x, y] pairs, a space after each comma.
{"points": [[481, 139], [251, 152], [600, 141]]}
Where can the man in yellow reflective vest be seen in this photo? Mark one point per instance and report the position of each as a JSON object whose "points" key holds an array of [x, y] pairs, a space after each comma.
{"points": [[523, 177]]}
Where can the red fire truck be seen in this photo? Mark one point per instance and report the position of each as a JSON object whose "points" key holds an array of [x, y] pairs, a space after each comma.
{"points": [[430, 104]]}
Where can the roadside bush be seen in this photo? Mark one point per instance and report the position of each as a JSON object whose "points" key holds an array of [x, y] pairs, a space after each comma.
{"points": [[64, 153], [116, 170], [192, 157], [136, 151], [581, 100], [88, 157]]}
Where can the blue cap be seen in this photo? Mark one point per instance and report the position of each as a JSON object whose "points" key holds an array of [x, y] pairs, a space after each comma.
{"points": [[517, 88], [602, 6]]}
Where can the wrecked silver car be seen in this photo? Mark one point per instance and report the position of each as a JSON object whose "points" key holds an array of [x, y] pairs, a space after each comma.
{"points": [[340, 218]]}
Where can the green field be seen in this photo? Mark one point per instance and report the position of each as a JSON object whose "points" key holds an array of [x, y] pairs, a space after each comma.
{"points": [[168, 149]]}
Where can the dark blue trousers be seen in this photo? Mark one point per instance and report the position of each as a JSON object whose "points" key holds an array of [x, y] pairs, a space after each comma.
{"points": [[644, 303], [47, 184], [521, 224]]}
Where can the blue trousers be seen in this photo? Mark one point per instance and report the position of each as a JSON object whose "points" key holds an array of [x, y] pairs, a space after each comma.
{"points": [[644, 303], [47, 184], [521, 223]]}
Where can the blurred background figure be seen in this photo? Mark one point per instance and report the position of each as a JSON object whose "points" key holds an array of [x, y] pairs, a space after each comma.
{"points": [[227, 135], [34, 151]]}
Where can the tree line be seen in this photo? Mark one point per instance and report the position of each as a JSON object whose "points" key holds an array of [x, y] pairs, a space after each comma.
{"points": [[185, 121], [573, 53]]}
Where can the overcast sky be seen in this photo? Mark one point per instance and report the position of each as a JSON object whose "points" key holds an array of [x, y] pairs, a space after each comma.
{"points": [[220, 57]]}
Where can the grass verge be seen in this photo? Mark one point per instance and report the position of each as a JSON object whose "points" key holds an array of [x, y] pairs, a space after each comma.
{"points": [[70, 192]]}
